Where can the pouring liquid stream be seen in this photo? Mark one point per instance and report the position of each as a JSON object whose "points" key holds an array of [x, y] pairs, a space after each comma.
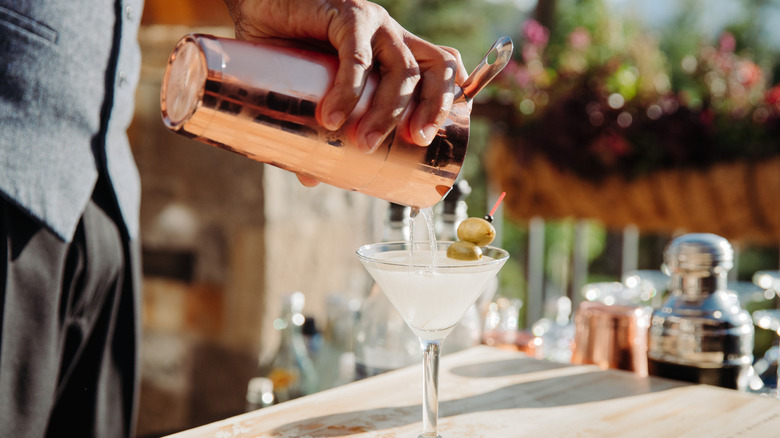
{"points": [[427, 214], [494, 61]]}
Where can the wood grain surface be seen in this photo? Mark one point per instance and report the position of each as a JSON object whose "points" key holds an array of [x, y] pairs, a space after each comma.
{"points": [[490, 392]]}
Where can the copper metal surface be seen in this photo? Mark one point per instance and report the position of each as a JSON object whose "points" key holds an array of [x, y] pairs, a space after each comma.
{"points": [[260, 101], [611, 336]]}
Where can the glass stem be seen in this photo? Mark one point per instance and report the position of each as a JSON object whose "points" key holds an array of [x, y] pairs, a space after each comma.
{"points": [[431, 353]]}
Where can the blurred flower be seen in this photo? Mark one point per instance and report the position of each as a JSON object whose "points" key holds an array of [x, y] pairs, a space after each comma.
{"points": [[579, 38], [603, 97], [535, 33], [609, 147], [749, 74], [773, 95], [530, 52], [727, 42]]}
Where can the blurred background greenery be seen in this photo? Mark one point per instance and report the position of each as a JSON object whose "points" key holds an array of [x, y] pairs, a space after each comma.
{"points": [[678, 28]]}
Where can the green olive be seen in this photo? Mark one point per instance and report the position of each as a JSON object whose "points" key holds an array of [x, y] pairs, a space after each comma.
{"points": [[477, 231], [462, 250]]}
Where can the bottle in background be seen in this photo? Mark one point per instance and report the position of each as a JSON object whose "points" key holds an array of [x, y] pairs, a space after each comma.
{"points": [[291, 370], [501, 326], [554, 334], [335, 361], [312, 337], [259, 393], [383, 341]]}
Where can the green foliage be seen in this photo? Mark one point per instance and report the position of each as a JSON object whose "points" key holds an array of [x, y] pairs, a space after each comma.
{"points": [[615, 56], [600, 94], [469, 26]]}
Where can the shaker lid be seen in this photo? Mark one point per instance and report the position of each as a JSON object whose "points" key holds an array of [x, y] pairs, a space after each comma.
{"points": [[699, 252]]}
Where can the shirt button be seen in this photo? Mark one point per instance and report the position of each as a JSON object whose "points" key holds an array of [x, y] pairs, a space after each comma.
{"points": [[129, 13], [122, 79]]}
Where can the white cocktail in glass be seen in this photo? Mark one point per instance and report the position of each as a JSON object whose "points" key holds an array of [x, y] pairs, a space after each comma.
{"points": [[430, 297]]}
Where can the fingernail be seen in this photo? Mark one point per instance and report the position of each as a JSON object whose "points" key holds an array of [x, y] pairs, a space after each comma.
{"points": [[429, 132], [372, 141], [334, 120]]}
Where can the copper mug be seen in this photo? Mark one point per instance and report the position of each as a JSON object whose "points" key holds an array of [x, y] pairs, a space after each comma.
{"points": [[259, 100], [611, 336]]}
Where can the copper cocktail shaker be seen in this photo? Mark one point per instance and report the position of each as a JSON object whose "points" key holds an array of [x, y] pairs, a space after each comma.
{"points": [[611, 336], [259, 101]]}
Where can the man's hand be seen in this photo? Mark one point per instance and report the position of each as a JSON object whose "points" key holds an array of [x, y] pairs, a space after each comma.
{"points": [[365, 37]]}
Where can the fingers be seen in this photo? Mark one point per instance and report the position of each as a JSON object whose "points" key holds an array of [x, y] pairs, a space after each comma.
{"points": [[367, 38], [366, 35], [416, 78], [441, 70], [353, 42], [399, 76], [460, 70]]}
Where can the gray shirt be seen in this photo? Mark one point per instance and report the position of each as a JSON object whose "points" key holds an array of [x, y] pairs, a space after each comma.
{"points": [[68, 72]]}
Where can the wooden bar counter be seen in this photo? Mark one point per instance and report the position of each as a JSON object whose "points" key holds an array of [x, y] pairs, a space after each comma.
{"points": [[490, 392]]}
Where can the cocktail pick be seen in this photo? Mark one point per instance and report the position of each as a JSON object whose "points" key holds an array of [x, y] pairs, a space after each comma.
{"points": [[489, 217]]}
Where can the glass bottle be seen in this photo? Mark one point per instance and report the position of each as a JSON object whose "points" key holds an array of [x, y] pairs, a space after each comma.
{"points": [[554, 333], [291, 371], [259, 393], [335, 362], [383, 341]]}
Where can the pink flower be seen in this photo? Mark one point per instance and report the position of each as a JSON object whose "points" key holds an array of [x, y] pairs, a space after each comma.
{"points": [[727, 42], [609, 147], [530, 52], [535, 33], [511, 67], [515, 74], [617, 145], [749, 74], [523, 78], [773, 95], [579, 38]]}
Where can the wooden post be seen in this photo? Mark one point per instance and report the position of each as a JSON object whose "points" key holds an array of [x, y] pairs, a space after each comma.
{"points": [[630, 257], [579, 274], [535, 299]]}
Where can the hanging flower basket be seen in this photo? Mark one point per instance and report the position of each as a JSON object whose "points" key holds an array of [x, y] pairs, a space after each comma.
{"points": [[735, 200], [596, 121]]}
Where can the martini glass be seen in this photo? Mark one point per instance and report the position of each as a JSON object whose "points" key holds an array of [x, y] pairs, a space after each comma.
{"points": [[432, 293]]}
